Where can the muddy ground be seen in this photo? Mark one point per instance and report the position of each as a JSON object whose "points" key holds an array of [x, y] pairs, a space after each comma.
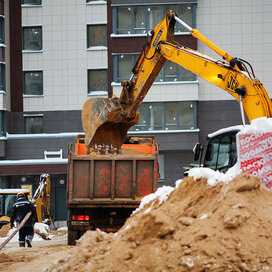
{"points": [[226, 227], [41, 256]]}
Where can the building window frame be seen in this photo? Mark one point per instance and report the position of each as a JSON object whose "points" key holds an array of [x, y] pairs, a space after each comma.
{"points": [[2, 29], [23, 38], [146, 29], [34, 4], [96, 2], [3, 123], [2, 77], [161, 162], [102, 46], [26, 116], [24, 83], [145, 123], [161, 77], [97, 92], [134, 57]]}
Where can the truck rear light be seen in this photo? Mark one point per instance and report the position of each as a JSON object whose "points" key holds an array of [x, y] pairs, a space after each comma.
{"points": [[81, 217]]}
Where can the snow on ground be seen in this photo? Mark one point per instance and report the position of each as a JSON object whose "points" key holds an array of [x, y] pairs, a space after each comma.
{"points": [[40, 227], [63, 228], [161, 194], [214, 177]]}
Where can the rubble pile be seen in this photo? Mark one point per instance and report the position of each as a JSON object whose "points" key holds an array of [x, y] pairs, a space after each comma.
{"points": [[225, 227]]}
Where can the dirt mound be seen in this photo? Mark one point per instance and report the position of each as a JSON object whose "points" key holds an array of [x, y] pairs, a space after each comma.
{"points": [[226, 227]]}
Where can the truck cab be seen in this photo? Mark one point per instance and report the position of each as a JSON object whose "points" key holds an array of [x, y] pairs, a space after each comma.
{"points": [[220, 153]]}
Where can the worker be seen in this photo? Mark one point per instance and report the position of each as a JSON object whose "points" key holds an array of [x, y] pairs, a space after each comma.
{"points": [[19, 210]]}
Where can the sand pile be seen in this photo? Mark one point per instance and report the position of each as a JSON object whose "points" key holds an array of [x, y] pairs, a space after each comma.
{"points": [[226, 227], [125, 153], [4, 230]]}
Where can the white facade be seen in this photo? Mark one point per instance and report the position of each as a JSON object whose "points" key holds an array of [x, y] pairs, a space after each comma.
{"points": [[242, 28], [64, 58]]}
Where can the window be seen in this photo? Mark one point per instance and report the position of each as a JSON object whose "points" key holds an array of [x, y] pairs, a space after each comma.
{"points": [[96, 35], [123, 66], [33, 83], [2, 77], [97, 80], [221, 152], [32, 2], [170, 72], [141, 19], [166, 116], [161, 167], [2, 30], [9, 202], [32, 38], [3, 128], [33, 124]]}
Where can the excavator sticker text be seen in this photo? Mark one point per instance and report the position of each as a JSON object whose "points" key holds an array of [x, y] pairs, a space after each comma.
{"points": [[157, 38], [232, 83]]}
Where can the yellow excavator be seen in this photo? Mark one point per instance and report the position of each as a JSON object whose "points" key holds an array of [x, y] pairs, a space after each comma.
{"points": [[107, 120], [41, 199]]}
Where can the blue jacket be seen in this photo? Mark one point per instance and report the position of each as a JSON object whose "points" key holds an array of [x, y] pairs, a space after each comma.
{"points": [[20, 209]]}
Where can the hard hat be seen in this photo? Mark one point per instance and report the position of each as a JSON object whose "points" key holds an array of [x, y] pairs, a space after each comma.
{"points": [[21, 194]]}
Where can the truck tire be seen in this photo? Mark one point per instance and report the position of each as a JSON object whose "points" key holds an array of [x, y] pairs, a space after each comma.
{"points": [[72, 237]]}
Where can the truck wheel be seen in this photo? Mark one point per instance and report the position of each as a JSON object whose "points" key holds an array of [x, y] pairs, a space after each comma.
{"points": [[72, 237]]}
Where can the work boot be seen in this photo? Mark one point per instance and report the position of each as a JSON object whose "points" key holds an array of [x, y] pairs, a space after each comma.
{"points": [[28, 243], [21, 243]]}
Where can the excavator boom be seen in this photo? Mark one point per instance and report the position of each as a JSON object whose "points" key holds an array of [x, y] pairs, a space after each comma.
{"points": [[107, 120]]}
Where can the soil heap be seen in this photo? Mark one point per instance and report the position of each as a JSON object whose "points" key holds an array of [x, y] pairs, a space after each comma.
{"points": [[226, 227]]}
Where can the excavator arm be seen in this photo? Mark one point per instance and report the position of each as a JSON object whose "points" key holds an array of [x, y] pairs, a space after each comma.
{"points": [[106, 121], [242, 85], [41, 199]]}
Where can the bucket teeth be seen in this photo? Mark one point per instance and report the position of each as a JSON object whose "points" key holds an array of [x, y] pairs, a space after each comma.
{"points": [[105, 122]]}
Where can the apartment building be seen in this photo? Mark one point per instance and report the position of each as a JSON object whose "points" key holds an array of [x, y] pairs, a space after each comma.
{"points": [[57, 54]]}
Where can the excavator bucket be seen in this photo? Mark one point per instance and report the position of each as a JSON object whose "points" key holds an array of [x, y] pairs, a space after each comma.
{"points": [[105, 123]]}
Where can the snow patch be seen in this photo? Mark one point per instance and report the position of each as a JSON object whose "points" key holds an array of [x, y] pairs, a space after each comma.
{"points": [[161, 194], [214, 177], [63, 228]]}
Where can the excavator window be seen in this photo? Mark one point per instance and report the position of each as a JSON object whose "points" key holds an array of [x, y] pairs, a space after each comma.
{"points": [[9, 201], [221, 152], [212, 154]]}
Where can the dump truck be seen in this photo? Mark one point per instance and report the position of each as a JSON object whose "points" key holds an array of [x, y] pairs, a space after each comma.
{"points": [[103, 188]]}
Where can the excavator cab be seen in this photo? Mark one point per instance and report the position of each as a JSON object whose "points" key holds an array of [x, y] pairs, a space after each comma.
{"points": [[7, 199]]}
